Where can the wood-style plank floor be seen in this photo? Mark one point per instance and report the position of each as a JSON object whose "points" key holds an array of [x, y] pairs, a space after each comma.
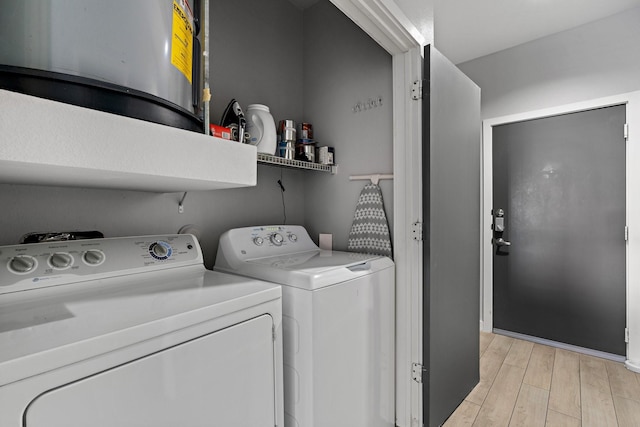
{"points": [[532, 385]]}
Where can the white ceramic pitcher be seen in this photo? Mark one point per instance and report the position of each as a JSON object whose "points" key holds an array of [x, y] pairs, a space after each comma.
{"points": [[261, 128]]}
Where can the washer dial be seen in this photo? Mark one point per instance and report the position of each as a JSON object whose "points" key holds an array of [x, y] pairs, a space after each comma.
{"points": [[93, 257], [258, 241], [277, 239], [160, 250], [60, 260], [22, 264], [293, 238]]}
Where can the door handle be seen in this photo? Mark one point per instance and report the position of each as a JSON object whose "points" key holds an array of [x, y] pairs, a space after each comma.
{"points": [[501, 242]]}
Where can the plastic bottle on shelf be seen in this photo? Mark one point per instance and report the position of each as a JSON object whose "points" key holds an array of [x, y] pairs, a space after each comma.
{"points": [[261, 128]]}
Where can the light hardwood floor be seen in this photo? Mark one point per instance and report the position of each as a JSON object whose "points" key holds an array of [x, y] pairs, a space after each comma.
{"points": [[529, 385]]}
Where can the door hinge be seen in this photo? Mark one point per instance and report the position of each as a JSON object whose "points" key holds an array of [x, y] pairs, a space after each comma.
{"points": [[418, 372], [416, 230], [626, 233], [416, 90], [626, 335], [626, 131]]}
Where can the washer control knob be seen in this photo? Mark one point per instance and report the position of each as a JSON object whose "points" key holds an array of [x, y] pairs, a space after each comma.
{"points": [[93, 257], [293, 238], [22, 264], [160, 250], [258, 241], [277, 239], [60, 260]]}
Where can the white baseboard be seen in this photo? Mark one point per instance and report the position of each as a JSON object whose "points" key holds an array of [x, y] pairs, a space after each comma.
{"points": [[632, 366]]}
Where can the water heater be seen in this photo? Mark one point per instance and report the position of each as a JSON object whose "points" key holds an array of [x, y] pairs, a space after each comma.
{"points": [[135, 58]]}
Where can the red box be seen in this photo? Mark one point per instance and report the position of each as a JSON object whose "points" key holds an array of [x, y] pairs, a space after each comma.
{"points": [[220, 131]]}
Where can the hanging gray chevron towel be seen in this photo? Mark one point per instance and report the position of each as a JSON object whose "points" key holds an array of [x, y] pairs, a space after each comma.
{"points": [[370, 231]]}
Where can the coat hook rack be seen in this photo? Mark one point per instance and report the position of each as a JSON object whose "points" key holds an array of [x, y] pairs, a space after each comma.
{"points": [[180, 203], [374, 178]]}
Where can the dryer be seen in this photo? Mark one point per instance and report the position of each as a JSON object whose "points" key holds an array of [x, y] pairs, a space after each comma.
{"points": [[338, 324], [135, 332]]}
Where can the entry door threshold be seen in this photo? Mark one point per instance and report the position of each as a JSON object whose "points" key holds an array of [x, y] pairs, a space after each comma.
{"points": [[564, 346]]}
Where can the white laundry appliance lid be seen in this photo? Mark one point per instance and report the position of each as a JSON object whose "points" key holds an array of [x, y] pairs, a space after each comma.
{"points": [[48, 328], [313, 262], [314, 269]]}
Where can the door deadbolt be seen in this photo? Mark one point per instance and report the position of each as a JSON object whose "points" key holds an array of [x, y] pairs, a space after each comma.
{"points": [[498, 221], [499, 228]]}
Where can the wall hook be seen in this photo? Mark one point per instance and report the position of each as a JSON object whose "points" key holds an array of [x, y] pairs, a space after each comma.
{"points": [[180, 203], [375, 178]]}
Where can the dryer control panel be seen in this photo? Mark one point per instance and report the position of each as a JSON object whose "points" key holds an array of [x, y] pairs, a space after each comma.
{"points": [[33, 266], [241, 244]]}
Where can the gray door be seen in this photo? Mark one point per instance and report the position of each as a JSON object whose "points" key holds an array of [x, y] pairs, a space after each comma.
{"points": [[559, 197], [451, 208]]}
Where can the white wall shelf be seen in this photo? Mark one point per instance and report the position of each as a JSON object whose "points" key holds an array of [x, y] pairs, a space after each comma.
{"points": [[296, 164], [44, 142]]}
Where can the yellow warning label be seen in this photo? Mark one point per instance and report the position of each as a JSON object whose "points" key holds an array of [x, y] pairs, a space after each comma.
{"points": [[182, 42]]}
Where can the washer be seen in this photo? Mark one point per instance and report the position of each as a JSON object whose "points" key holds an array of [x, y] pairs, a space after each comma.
{"points": [[338, 324], [135, 332]]}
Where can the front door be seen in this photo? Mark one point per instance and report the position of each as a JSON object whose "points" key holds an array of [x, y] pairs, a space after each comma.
{"points": [[559, 228]]}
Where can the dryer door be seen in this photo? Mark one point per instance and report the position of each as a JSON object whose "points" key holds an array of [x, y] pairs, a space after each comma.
{"points": [[225, 378]]}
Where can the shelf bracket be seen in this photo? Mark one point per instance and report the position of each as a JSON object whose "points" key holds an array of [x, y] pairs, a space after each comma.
{"points": [[180, 203]]}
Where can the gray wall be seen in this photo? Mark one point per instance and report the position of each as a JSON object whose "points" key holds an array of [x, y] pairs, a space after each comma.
{"points": [[343, 66], [125, 213], [256, 56], [591, 61]]}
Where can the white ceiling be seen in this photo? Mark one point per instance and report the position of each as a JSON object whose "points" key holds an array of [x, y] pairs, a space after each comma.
{"points": [[468, 29]]}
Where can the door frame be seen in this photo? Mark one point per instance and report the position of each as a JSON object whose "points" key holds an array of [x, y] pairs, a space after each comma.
{"points": [[387, 24], [632, 102]]}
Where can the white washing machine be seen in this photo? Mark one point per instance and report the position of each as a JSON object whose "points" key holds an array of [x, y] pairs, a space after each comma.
{"points": [[338, 324], [135, 332]]}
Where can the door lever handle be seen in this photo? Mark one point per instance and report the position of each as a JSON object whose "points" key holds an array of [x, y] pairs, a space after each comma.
{"points": [[501, 242]]}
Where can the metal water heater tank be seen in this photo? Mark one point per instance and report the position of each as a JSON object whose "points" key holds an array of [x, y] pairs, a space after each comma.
{"points": [[135, 58]]}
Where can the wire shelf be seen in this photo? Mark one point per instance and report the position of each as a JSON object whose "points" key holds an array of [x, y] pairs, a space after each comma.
{"points": [[296, 164]]}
